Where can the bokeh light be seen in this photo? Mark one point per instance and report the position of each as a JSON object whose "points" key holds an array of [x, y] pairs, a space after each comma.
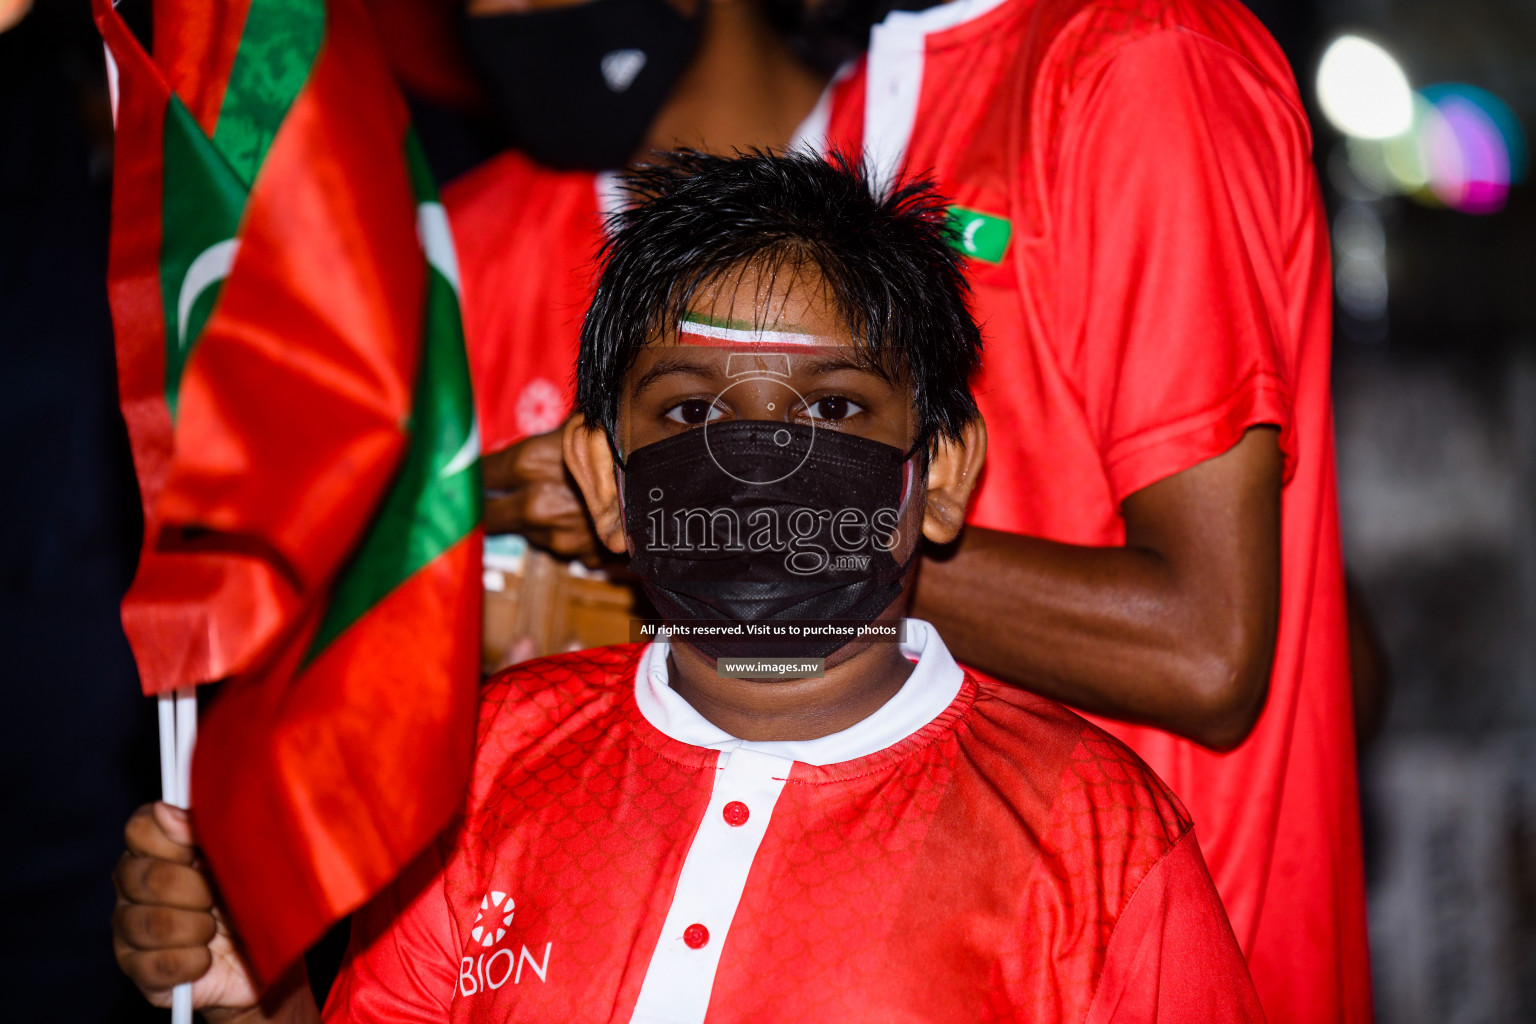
{"points": [[1463, 149], [1473, 151], [1403, 156], [1451, 145], [1360, 262], [1363, 90]]}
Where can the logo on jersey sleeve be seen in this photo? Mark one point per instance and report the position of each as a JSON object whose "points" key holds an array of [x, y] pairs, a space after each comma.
{"points": [[488, 971], [491, 933], [981, 236], [541, 407]]}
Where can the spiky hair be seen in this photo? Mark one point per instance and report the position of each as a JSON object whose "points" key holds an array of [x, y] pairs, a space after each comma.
{"points": [[884, 257]]}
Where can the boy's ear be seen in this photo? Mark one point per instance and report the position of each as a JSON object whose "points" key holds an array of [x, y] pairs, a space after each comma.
{"points": [[590, 461], [953, 471]]}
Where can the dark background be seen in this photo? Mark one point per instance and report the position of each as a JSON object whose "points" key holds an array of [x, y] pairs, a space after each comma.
{"points": [[1436, 418]]}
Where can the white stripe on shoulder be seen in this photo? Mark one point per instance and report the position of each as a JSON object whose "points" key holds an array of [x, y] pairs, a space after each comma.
{"points": [[811, 136]]}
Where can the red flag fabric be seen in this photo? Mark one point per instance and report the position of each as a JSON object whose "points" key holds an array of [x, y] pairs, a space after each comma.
{"points": [[291, 368]]}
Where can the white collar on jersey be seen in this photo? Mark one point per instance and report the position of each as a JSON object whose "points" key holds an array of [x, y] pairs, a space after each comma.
{"points": [[933, 685]]}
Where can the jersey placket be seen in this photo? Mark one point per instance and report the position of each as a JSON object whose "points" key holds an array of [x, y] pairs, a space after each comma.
{"points": [[681, 974]]}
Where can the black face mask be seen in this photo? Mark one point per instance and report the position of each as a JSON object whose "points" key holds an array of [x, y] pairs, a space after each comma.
{"points": [[758, 522], [578, 86]]}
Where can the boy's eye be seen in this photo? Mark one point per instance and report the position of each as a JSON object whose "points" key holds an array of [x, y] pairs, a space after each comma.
{"points": [[832, 407], [695, 411]]}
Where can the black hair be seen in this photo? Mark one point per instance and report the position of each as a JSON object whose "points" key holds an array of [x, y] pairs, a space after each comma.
{"points": [[884, 256]]}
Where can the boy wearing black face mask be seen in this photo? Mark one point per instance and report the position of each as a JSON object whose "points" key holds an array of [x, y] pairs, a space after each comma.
{"points": [[876, 837], [1155, 541]]}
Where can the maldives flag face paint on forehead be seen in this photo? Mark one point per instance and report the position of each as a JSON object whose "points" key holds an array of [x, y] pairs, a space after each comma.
{"points": [[696, 329]]}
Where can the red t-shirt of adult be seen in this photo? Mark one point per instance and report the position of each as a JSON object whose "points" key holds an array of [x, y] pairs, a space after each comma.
{"points": [[1164, 288]]}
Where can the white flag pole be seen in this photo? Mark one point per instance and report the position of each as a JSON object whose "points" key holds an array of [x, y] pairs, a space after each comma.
{"points": [[167, 708], [186, 737], [178, 734], [178, 711]]}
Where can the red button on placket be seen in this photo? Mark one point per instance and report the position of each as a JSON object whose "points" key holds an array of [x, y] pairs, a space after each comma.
{"points": [[695, 936], [735, 813]]}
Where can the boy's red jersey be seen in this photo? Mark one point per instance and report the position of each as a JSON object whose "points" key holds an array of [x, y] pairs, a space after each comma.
{"points": [[1005, 861], [1150, 272]]}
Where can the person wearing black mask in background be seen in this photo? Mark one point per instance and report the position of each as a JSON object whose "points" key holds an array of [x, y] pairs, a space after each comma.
{"points": [[576, 86]]}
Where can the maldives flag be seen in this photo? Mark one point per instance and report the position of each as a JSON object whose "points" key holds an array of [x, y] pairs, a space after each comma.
{"points": [[292, 372]]}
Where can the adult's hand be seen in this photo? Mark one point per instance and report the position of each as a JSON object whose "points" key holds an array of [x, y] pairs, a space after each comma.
{"points": [[528, 492], [168, 929]]}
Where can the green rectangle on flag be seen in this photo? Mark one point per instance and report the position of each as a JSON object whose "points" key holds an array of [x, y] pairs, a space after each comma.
{"points": [[979, 235]]}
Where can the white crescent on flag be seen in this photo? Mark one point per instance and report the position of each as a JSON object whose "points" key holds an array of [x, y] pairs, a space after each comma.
{"points": [[465, 457], [969, 238], [211, 266], [437, 241]]}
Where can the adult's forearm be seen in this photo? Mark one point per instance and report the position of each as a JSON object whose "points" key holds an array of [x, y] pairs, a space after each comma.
{"points": [[1117, 631]]}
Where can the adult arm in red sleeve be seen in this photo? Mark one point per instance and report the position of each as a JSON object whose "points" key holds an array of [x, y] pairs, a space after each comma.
{"points": [[1172, 958], [1179, 168], [1176, 628], [402, 962]]}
